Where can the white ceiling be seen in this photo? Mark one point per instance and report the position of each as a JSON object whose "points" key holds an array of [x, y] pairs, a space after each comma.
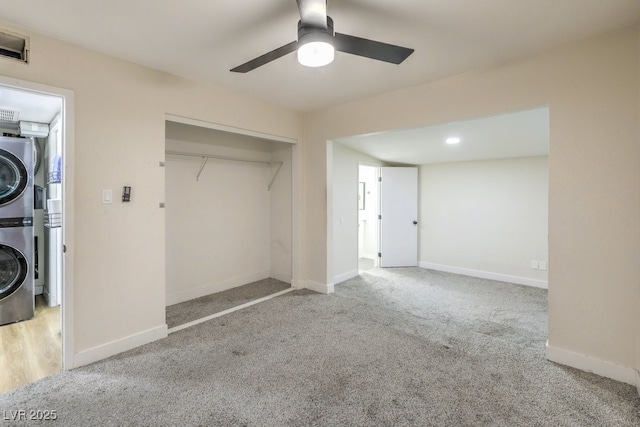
{"points": [[519, 134], [33, 107], [202, 40]]}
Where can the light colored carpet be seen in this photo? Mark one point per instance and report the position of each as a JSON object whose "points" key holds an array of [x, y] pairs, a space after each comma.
{"points": [[394, 347], [185, 312]]}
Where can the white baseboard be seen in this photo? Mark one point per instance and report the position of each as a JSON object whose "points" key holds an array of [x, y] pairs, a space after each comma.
{"points": [[591, 364], [638, 382], [346, 276], [212, 288], [115, 347], [486, 275], [228, 311], [286, 278], [318, 287]]}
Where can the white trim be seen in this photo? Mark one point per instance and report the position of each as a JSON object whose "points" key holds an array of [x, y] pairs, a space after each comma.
{"points": [[295, 216], [591, 364], [486, 275], [118, 346], [68, 237], [344, 277], [68, 127], [318, 287], [212, 288], [230, 310], [638, 381], [225, 128]]}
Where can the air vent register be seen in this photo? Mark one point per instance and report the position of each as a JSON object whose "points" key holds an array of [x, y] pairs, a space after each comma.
{"points": [[14, 46]]}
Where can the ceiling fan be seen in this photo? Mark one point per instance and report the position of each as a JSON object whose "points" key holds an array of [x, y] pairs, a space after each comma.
{"points": [[317, 42]]}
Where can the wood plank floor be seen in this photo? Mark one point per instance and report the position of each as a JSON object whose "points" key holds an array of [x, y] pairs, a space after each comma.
{"points": [[31, 349]]}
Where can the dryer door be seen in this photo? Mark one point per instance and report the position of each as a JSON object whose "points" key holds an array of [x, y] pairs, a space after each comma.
{"points": [[13, 270], [13, 177]]}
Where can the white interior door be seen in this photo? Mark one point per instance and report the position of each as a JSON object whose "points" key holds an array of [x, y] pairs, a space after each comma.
{"points": [[398, 217]]}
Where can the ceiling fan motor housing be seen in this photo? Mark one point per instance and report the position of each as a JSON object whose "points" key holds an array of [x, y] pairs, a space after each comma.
{"points": [[308, 33]]}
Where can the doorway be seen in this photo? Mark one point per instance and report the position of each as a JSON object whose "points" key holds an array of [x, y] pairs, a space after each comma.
{"points": [[38, 345], [471, 173], [398, 217], [387, 217], [368, 211]]}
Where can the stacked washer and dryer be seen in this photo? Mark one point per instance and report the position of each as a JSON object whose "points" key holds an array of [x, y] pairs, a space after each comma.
{"points": [[16, 230]]}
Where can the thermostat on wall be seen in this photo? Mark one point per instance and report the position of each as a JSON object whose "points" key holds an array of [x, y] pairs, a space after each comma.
{"points": [[126, 194]]}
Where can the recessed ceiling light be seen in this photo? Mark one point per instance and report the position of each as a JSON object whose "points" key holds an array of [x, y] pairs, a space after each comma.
{"points": [[453, 140]]}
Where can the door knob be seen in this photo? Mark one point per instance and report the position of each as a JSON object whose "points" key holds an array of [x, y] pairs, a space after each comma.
{"points": [[415, 222]]}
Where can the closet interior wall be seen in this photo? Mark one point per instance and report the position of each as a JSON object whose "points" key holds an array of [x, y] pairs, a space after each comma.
{"points": [[227, 222]]}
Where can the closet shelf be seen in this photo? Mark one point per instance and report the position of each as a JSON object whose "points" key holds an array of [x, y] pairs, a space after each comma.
{"points": [[52, 220], [205, 158]]}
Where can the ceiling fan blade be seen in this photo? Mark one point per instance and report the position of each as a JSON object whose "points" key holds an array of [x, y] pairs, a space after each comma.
{"points": [[371, 49], [313, 13], [266, 58]]}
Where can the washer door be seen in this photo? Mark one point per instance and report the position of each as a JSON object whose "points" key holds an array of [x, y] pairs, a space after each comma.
{"points": [[13, 177], [13, 270]]}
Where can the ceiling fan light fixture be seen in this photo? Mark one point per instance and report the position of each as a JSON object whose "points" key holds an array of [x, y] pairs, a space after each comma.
{"points": [[315, 45], [316, 54]]}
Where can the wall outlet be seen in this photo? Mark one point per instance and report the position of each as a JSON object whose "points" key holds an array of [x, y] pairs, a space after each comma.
{"points": [[543, 265], [535, 265]]}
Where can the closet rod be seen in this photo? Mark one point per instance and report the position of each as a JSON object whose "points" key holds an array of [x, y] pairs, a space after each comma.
{"points": [[212, 156], [206, 157], [274, 176]]}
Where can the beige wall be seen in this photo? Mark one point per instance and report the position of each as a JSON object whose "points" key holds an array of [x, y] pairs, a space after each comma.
{"points": [[486, 216], [594, 214], [119, 140]]}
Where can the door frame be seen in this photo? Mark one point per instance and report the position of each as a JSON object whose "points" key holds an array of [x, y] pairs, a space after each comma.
{"points": [[68, 206], [376, 259], [295, 187]]}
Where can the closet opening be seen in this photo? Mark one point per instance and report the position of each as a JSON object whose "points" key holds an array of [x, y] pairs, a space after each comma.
{"points": [[228, 220]]}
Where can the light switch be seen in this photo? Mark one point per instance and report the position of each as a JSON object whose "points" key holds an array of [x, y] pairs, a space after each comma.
{"points": [[107, 196]]}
